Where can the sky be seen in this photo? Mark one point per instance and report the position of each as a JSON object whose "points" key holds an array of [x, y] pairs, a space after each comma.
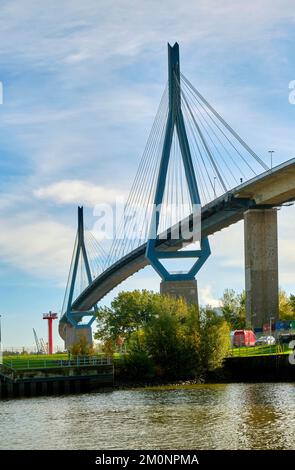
{"points": [[82, 81]]}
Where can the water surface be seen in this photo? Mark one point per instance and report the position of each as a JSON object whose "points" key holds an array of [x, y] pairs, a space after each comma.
{"points": [[220, 416]]}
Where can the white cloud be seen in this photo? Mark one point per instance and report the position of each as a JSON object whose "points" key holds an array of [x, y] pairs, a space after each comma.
{"points": [[85, 49], [75, 31], [206, 297], [42, 247], [12, 200], [78, 192]]}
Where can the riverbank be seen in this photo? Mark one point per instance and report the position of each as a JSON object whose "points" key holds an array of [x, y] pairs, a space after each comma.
{"points": [[56, 377], [95, 377], [251, 369]]}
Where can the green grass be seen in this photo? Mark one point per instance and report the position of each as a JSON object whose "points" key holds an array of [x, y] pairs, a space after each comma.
{"points": [[263, 350], [26, 357], [35, 361]]}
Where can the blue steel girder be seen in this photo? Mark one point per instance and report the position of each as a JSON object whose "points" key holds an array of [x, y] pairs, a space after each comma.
{"points": [[175, 121], [73, 316]]}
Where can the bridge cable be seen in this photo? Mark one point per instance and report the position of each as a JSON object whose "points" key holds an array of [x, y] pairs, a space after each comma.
{"points": [[197, 101], [231, 130]]}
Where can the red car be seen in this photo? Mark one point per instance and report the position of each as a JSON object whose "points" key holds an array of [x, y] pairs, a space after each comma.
{"points": [[244, 338]]}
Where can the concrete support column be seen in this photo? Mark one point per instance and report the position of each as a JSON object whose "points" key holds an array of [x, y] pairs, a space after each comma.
{"points": [[186, 289], [74, 335], [261, 266]]}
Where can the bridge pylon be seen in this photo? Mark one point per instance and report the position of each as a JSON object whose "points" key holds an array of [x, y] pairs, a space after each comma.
{"points": [[75, 328], [175, 122]]}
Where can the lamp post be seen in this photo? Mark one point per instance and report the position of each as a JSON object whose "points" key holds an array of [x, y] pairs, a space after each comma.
{"points": [[270, 329], [214, 186], [253, 320], [271, 153]]}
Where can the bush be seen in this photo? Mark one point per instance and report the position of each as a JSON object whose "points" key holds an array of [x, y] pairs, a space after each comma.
{"points": [[81, 348], [138, 365], [164, 336], [215, 343]]}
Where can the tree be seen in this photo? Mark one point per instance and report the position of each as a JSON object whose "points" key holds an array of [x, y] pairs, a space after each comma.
{"points": [[215, 339], [138, 363], [292, 302], [172, 338], [81, 348], [234, 309], [164, 336], [286, 311], [129, 311]]}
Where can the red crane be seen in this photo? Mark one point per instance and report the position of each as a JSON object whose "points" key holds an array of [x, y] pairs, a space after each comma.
{"points": [[50, 317]]}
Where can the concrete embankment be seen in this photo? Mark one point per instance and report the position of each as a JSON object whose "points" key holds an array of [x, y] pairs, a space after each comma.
{"points": [[275, 367], [54, 381]]}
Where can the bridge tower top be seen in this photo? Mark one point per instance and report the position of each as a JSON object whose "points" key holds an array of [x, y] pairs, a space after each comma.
{"points": [[79, 253], [175, 122], [174, 77]]}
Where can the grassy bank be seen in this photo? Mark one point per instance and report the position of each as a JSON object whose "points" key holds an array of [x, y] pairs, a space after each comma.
{"points": [[263, 350]]}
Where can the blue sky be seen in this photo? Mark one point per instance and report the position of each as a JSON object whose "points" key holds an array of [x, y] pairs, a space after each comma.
{"points": [[82, 81]]}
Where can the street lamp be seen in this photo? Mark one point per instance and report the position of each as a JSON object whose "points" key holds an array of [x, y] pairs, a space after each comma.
{"points": [[270, 330], [252, 321], [271, 152]]}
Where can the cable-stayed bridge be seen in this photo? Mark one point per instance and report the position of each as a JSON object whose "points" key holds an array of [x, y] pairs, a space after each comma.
{"points": [[196, 176]]}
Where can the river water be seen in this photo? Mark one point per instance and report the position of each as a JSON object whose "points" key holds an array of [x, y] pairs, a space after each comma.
{"points": [[219, 416]]}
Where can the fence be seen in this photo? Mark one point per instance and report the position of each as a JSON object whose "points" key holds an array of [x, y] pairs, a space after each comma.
{"points": [[263, 350], [18, 351], [38, 363]]}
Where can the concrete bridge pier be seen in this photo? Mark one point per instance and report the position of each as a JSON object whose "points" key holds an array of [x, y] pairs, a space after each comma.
{"points": [[74, 335], [186, 289], [261, 266]]}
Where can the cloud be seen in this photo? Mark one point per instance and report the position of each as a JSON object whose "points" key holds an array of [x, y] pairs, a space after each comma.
{"points": [[78, 192], [84, 80], [73, 32], [12, 200], [82, 83], [206, 297], [99, 71], [41, 247]]}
